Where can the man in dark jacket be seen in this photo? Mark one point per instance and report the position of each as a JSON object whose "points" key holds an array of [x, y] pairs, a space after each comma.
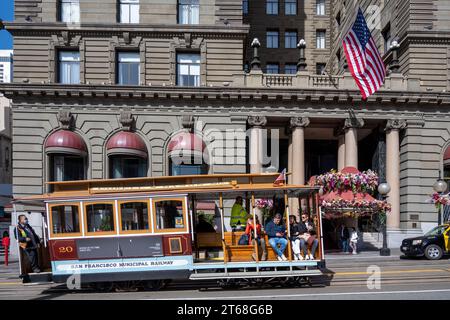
{"points": [[28, 241], [344, 236], [276, 232], [307, 228]]}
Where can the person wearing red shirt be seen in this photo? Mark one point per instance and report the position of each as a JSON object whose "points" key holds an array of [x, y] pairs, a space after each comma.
{"points": [[5, 243], [250, 232]]}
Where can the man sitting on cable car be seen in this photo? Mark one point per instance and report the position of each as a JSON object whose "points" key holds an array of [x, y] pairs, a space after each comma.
{"points": [[276, 231]]}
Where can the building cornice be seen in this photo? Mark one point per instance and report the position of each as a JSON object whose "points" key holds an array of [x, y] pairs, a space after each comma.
{"points": [[319, 95], [36, 29]]}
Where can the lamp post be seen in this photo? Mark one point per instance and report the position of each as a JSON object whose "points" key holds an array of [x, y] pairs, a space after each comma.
{"points": [[440, 186], [383, 189], [255, 64], [301, 63], [395, 66]]}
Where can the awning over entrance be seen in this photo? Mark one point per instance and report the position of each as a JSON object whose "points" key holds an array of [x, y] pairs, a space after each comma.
{"points": [[66, 142], [126, 143]]}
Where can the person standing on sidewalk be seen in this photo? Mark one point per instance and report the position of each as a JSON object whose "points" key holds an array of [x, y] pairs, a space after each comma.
{"points": [[5, 243], [28, 241], [344, 235], [354, 240]]}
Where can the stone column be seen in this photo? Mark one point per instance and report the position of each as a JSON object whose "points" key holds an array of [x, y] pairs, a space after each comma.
{"points": [[298, 125], [393, 128], [341, 152], [351, 141], [255, 153]]}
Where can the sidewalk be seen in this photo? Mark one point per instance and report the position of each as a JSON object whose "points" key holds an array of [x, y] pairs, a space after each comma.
{"points": [[338, 258], [10, 272]]}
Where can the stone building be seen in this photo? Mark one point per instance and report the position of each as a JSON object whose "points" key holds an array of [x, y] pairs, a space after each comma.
{"points": [[106, 89]]}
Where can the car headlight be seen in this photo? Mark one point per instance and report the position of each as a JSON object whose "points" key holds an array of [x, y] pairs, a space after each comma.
{"points": [[416, 242]]}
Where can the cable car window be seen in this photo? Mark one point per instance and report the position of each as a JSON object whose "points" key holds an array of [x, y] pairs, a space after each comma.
{"points": [[65, 219], [134, 216], [169, 214], [100, 217]]}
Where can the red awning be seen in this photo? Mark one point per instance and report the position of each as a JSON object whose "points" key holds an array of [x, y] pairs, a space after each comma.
{"points": [[186, 141], [65, 141], [126, 143], [447, 155]]}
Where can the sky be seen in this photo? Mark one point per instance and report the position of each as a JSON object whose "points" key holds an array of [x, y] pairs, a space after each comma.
{"points": [[6, 14]]}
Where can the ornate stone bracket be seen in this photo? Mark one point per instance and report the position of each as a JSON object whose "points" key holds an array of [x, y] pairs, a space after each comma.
{"points": [[66, 119], [297, 122], [257, 121], [187, 121], [126, 120], [395, 124]]}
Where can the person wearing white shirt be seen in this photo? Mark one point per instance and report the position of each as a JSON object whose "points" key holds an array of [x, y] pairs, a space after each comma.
{"points": [[354, 240]]}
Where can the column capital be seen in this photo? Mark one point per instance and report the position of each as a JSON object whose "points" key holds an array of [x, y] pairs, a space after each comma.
{"points": [[353, 123], [299, 122], [395, 124], [257, 121]]}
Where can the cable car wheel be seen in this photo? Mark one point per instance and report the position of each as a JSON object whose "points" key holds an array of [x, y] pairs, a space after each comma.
{"points": [[154, 285], [126, 286], [103, 286]]}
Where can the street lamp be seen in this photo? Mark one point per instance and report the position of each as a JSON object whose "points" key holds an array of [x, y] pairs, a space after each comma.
{"points": [[383, 189], [301, 64], [440, 186]]}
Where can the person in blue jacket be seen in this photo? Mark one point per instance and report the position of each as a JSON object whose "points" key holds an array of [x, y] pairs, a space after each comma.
{"points": [[276, 232]]}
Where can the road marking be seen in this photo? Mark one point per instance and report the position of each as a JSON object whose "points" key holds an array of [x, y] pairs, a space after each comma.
{"points": [[305, 295], [387, 272], [6, 283]]}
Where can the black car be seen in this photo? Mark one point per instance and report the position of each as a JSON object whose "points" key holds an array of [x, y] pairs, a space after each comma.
{"points": [[433, 244]]}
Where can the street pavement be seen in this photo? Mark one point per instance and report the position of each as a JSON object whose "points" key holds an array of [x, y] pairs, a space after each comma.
{"points": [[347, 277]]}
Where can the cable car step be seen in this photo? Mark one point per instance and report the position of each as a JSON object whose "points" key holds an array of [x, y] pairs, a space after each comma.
{"points": [[253, 274], [37, 277]]}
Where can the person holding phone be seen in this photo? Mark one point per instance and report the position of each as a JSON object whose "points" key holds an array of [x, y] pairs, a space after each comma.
{"points": [[276, 232]]}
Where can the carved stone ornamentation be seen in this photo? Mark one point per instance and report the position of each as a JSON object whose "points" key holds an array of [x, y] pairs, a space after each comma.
{"points": [[126, 120], [297, 122], [353, 122], [187, 121], [257, 121], [395, 124], [65, 119]]}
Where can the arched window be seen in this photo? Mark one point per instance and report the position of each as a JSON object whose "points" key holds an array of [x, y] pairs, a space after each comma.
{"points": [[127, 155], [187, 155], [67, 155], [447, 165]]}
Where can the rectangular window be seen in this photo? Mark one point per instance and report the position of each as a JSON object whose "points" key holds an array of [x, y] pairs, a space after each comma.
{"points": [[170, 215], [320, 7], [129, 11], [290, 39], [273, 68], [128, 67], [272, 7], [69, 67], [320, 68], [245, 7], [70, 11], [65, 220], [320, 39], [290, 68], [188, 12], [290, 7], [100, 218], [272, 39], [134, 216], [188, 69], [67, 168]]}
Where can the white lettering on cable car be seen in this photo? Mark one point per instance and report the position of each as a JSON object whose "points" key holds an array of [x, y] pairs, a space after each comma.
{"points": [[120, 266]]}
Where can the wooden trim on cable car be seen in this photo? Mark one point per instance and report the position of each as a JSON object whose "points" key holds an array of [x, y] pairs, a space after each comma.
{"points": [[99, 233], [184, 215], [148, 230], [68, 234]]}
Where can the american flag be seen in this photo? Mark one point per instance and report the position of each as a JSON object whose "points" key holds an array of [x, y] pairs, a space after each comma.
{"points": [[281, 179], [363, 58]]}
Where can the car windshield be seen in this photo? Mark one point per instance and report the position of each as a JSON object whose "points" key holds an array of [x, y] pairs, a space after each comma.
{"points": [[436, 231]]}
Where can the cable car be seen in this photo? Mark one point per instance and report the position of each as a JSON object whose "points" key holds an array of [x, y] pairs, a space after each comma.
{"points": [[146, 231]]}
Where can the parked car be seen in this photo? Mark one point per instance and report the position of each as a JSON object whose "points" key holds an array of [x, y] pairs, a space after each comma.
{"points": [[433, 244]]}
